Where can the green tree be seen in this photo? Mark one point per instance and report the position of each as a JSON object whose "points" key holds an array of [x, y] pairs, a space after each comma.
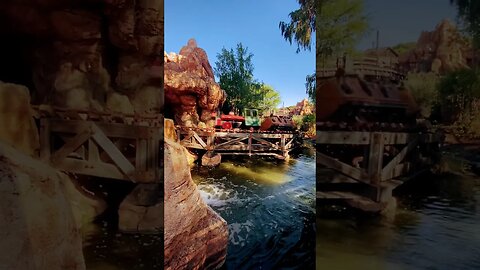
{"points": [[234, 68], [459, 90], [423, 87], [300, 30], [468, 12], [268, 99], [341, 23]]}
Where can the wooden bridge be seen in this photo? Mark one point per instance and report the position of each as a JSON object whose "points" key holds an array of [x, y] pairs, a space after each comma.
{"points": [[241, 142], [367, 182], [110, 146]]}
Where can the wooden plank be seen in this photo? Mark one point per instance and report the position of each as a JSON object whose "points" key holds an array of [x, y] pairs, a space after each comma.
{"points": [[399, 170], [141, 155], [258, 135], [343, 168], [343, 137], [199, 140], [45, 138], [387, 170], [110, 129], [93, 154], [375, 158], [120, 160], [266, 142], [72, 144], [236, 140], [99, 169]]}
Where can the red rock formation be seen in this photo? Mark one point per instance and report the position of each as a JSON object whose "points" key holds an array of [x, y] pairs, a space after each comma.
{"points": [[195, 236], [440, 51], [190, 87], [88, 52], [303, 108]]}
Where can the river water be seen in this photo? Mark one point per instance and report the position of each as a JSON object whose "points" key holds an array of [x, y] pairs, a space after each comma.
{"points": [[269, 207], [436, 226]]}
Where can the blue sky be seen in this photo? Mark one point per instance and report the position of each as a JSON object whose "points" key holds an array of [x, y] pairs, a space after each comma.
{"points": [[403, 21], [224, 23]]}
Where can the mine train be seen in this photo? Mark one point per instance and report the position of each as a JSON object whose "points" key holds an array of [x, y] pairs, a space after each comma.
{"points": [[356, 103], [252, 120]]}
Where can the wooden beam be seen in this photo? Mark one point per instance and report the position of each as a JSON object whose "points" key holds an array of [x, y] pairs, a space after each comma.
{"points": [[72, 144], [99, 169], [343, 168], [93, 154], [120, 160], [200, 141], [265, 142], [375, 158], [388, 169], [45, 138], [231, 142], [343, 137], [141, 155]]}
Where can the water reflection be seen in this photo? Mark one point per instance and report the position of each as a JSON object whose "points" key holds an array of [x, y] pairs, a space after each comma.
{"points": [[270, 210], [436, 226]]}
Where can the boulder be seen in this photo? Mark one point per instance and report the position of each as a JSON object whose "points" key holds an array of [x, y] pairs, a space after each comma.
{"points": [[195, 236], [190, 86], [18, 126], [38, 227]]}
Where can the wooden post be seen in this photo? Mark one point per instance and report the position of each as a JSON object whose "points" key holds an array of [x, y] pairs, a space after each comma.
{"points": [[250, 144], [375, 161], [45, 146]]}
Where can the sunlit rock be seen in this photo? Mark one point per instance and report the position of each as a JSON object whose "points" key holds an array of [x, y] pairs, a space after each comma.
{"points": [[195, 236]]}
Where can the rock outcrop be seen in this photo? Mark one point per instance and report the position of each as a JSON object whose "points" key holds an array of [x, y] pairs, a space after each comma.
{"points": [[38, 227], [190, 87], [18, 127], [195, 236], [91, 55], [303, 108], [440, 51]]}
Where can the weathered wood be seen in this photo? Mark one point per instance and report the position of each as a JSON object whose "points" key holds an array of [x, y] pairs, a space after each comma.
{"points": [[343, 168], [98, 169], [387, 170], [93, 154], [236, 140], [110, 129], [45, 138], [199, 140], [375, 159], [141, 155], [120, 160], [265, 142], [343, 137], [72, 144]]}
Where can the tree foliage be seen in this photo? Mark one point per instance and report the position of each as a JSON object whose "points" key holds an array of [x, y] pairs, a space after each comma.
{"points": [[301, 26], [468, 13], [423, 87], [234, 68], [458, 90], [341, 24]]}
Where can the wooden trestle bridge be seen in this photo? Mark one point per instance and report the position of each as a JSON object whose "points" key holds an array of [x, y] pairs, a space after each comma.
{"points": [[239, 142], [111, 146], [388, 159]]}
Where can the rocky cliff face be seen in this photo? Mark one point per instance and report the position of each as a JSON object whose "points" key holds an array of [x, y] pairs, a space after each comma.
{"points": [[93, 54], [38, 226], [440, 51], [303, 108], [195, 236], [190, 87]]}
